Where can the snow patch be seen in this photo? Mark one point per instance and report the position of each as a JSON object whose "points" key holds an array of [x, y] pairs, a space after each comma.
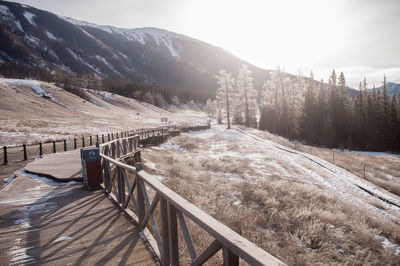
{"points": [[9, 179], [29, 16], [386, 244], [150, 165], [4, 10], [50, 35], [18, 24], [63, 238]]}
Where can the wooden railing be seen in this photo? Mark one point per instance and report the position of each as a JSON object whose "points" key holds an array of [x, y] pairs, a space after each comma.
{"points": [[140, 193]]}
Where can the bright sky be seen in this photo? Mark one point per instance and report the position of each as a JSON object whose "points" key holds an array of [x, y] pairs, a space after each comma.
{"points": [[359, 37]]}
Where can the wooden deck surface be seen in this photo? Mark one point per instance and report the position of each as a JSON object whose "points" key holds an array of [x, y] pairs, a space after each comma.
{"points": [[64, 166], [46, 222]]}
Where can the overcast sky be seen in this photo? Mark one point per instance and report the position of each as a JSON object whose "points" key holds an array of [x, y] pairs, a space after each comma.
{"points": [[358, 37]]}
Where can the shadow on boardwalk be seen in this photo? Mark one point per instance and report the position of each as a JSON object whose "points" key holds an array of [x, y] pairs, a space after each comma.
{"points": [[46, 222]]}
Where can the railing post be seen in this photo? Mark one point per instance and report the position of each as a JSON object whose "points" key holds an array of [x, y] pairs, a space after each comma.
{"points": [[97, 144], [83, 142], [230, 258], [117, 137], [108, 136], [65, 145], [164, 231], [102, 138], [54, 146], [121, 187], [90, 141], [173, 235], [140, 196], [112, 136], [5, 155], [25, 156], [40, 149], [74, 143], [97, 139]]}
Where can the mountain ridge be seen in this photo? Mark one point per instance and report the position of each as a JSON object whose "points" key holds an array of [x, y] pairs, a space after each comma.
{"points": [[34, 39]]}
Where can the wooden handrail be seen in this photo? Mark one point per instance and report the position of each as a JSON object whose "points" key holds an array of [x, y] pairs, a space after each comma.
{"points": [[173, 206]]}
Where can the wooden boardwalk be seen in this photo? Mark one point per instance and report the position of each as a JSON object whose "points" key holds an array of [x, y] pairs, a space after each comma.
{"points": [[46, 222]]}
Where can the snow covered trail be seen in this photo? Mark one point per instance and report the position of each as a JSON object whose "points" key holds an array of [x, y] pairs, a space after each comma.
{"points": [[268, 157]]}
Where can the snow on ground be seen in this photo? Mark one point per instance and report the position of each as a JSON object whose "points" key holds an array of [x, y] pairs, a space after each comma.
{"points": [[374, 153], [268, 158], [29, 16], [34, 85]]}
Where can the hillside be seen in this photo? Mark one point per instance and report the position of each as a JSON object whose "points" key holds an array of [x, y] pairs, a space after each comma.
{"points": [[33, 110], [36, 42]]}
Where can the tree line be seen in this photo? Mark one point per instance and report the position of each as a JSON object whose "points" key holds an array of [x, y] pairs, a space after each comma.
{"points": [[314, 112]]}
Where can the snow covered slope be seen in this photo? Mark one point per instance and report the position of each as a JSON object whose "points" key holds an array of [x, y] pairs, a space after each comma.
{"points": [[33, 110]]}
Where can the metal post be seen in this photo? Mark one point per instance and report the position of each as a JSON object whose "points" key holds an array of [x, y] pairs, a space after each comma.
{"points": [[5, 155], [74, 143], [65, 145], [54, 147], [108, 136], [83, 142], [40, 149], [112, 136], [97, 138], [90, 141], [117, 136], [25, 156], [102, 138]]}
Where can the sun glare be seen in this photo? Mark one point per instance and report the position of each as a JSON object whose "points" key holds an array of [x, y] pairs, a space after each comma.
{"points": [[291, 34]]}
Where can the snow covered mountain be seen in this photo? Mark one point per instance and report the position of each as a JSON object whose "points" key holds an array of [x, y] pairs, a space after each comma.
{"points": [[391, 88], [34, 42]]}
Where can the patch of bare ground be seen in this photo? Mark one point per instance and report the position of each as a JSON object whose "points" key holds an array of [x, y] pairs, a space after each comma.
{"points": [[295, 221]]}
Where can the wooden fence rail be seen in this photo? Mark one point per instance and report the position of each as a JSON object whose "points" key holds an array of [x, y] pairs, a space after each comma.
{"points": [[24, 152], [135, 190]]}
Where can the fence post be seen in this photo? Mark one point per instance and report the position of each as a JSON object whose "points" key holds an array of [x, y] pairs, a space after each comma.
{"points": [[25, 156], [83, 142], [5, 155], [230, 258], [74, 143], [54, 146], [102, 138], [97, 138], [173, 235], [40, 149], [65, 145], [90, 141], [164, 231], [364, 171], [117, 137], [112, 136], [140, 196]]}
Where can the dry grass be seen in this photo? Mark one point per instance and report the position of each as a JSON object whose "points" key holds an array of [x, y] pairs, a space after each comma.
{"points": [[294, 221], [381, 170]]}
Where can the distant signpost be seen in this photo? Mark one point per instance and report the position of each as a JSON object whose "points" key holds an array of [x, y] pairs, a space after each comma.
{"points": [[164, 121]]}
